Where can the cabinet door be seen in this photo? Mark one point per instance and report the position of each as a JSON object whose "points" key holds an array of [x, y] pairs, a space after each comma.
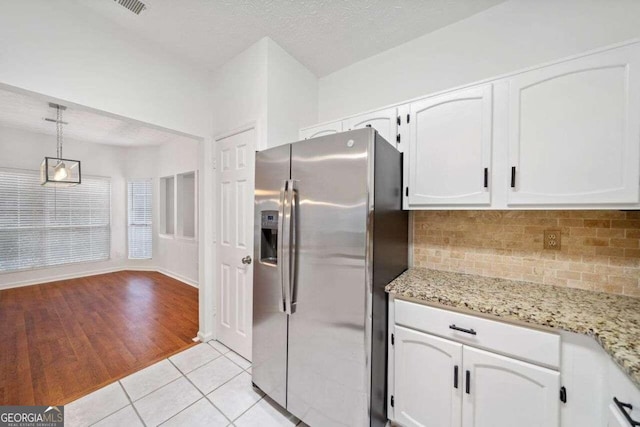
{"points": [[625, 391], [616, 419], [321, 130], [504, 392], [426, 392], [450, 149], [574, 131], [384, 121]]}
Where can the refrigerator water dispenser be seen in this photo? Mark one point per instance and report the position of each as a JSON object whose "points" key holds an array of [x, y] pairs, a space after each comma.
{"points": [[269, 237]]}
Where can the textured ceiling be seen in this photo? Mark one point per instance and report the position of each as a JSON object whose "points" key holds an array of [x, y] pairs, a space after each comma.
{"points": [[324, 35], [28, 112]]}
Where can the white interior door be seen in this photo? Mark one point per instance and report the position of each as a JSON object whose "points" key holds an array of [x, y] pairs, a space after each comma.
{"points": [[235, 160]]}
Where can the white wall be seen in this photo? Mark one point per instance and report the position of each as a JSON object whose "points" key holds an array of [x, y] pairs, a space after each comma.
{"points": [[176, 256], [239, 91], [508, 37], [64, 50], [171, 255], [25, 150], [265, 85], [292, 96]]}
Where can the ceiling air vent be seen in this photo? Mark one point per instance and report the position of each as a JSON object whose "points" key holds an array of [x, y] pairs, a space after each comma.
{"points": [[134, 6]]}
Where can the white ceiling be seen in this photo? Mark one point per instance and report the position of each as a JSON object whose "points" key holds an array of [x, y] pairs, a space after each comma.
{"points": [[27, 112], [324, 35]]}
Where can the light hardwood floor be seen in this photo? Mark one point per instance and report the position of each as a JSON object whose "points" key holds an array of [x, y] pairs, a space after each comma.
{"points": [[62, 340]]}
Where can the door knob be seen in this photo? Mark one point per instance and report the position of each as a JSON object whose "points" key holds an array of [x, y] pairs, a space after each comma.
{"points": [[246, 260]]}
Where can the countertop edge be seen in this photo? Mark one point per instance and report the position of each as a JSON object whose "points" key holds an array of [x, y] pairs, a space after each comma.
{"points": [[472, 312], [521, 322]]}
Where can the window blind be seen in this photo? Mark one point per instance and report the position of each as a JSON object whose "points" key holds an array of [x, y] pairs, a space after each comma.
{"points": [[140, 219], [47, 226]]}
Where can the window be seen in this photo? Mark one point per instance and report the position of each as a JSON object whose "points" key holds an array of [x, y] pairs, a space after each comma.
{"points": [[186, 195], [167, 220], [49, 226], [139, 195]]}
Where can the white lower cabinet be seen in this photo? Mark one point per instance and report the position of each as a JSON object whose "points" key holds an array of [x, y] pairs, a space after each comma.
{"points": [[623, 398], [592, 381], [441, 383], [503, 392], [428, 380], [452, 369]]}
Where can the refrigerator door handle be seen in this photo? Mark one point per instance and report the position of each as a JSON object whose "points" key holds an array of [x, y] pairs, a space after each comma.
{"points": [[286, 247], [293, 189], [280, 243]]}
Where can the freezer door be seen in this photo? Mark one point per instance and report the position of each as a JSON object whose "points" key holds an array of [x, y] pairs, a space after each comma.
{"points": [[328, 355], [269, 370]]}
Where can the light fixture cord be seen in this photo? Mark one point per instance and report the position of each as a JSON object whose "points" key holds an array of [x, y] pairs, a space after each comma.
{"points": [[59, 132], [59, 156]]}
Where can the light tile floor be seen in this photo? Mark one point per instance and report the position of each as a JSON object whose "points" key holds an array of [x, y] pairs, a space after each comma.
{"points": [[205, 385]]}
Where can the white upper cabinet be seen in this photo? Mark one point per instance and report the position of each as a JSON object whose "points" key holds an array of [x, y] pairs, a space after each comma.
{"points": [[386, 122], [321, 130], [574, 131], [564, 135], [449, 156]]}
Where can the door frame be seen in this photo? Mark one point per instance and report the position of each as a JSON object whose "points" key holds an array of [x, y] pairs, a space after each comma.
{"points": [[215, 179]]}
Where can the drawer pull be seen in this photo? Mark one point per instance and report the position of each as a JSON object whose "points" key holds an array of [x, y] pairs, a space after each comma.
{"points": [[455, 376], [623, 407], [466, 331]]}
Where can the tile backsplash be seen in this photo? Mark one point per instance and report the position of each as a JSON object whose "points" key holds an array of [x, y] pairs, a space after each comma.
{"points": [[599, 250]]}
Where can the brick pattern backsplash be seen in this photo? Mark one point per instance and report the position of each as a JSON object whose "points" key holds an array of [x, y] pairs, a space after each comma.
{"points": [[599, 250]]}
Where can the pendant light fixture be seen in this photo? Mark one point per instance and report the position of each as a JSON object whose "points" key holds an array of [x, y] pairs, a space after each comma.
{"points": [[57, 171]]}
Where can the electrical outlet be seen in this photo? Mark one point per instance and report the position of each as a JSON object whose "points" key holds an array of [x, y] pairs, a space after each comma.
{"points": [[552, 239]]}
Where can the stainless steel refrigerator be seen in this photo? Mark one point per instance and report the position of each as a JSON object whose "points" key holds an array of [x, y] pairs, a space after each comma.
{"points": [[330, 233]]}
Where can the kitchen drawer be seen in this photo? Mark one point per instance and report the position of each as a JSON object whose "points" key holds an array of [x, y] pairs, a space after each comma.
{"points": [[523, 343]]}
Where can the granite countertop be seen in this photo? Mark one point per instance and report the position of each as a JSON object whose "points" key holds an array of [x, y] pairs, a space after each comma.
{"points": [[613, 320]]}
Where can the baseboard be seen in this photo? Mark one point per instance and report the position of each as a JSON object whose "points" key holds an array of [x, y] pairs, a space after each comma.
{"points": [[23, 283], [138, 268], [177, 277], [205, 337]]}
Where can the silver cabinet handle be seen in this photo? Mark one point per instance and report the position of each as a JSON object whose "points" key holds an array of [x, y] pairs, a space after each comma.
{"points": [[246, 260]]}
